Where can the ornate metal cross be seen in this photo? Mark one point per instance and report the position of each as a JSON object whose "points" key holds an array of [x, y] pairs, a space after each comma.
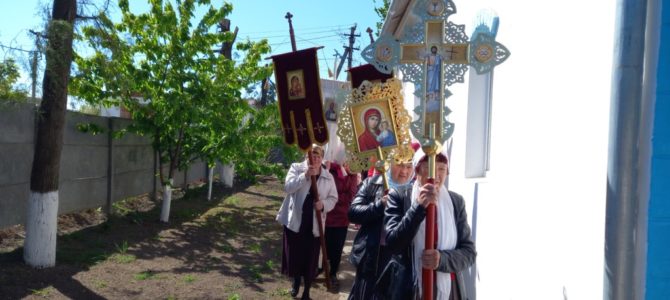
{"points": [[433, 53]]}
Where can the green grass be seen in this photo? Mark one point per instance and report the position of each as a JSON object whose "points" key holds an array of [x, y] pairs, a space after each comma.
{"points": [[255, 248], [100, 284], [122, 255], [235, 296], [42, 292], [145, 275], [256, 273], [281, 292], [189, 278], [270, 264], [123, 258], [227, 248], [123, 248], [232, 200]]}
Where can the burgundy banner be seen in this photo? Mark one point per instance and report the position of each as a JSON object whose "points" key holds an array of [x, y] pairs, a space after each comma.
{"points": [[299, 93], [366, 72]]}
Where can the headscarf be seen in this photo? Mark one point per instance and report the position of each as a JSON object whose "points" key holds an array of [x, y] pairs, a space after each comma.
{"points": [[395, 185]]}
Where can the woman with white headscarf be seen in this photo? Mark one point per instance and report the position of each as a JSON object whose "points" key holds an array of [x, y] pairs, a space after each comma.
{"points": [[368, 252], [405, 226]]}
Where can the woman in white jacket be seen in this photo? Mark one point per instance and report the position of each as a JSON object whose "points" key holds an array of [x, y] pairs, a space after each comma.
{"points": [[301, 234]]}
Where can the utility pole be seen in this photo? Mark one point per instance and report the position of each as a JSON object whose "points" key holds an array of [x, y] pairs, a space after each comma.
{"points": [[350, 49], [369, 31], [290, 30]]}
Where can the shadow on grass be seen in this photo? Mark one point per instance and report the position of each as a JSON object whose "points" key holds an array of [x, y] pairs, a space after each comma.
{"points": [[228, 235]]}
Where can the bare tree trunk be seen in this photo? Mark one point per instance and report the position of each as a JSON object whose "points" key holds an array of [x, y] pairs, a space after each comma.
{"points": [[40, 244]]}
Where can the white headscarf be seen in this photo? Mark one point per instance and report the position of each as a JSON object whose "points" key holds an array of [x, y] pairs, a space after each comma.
{"points": [[447, 235]]}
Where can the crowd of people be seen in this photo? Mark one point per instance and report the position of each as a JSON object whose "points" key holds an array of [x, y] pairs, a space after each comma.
{"points": [[388, 251]]}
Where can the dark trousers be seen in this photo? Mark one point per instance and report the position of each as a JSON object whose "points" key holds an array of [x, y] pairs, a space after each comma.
{"points": [[335, 237]]}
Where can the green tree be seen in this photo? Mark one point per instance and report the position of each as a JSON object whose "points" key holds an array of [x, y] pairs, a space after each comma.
{"points": [[9, 74], [381, 12], [190, 102]]}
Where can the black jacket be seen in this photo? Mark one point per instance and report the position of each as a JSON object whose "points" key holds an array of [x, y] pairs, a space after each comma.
{"points": [[367, 210], [402, 221]]}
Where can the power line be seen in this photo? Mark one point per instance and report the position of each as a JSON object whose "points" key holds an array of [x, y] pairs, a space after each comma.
{"points": [[301, 29], [16, 49], [302, 33]]}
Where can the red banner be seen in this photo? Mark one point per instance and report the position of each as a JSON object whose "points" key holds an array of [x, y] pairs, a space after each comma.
{"points": [[299, 93], [367, 72]]}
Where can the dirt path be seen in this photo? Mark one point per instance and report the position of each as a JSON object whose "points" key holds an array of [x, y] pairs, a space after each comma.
{"points": [[228, 248]]}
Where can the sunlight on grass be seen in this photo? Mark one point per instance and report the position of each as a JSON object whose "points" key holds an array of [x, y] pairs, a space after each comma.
{"points": [[235, 296], [189, 278], [123, 258], [232, 200], [42, 292], [100, 284], [281, 292]]}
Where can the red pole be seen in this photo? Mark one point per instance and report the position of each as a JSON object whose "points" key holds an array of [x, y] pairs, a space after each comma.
{"points": [[428, 274], [431, 148], [315, 192]]}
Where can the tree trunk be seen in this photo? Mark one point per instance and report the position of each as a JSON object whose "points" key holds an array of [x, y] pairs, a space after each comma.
{"points": [[40, 244], [167, 199]]}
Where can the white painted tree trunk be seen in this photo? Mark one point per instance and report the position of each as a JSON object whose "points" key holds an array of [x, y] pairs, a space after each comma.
{"points": [[167, 199], [210, 178], [228, 174], [39, 250]]}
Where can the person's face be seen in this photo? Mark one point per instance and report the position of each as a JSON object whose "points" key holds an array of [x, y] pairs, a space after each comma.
{"points": [[400, 173], [295, 83], [383, 126], [332, 105], [373, 121], [317, 157], [433, 50], [441, 172]]}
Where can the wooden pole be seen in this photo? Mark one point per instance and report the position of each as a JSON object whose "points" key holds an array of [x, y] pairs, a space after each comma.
{"points": [[431, 147], [290, 30], [322, 240]]}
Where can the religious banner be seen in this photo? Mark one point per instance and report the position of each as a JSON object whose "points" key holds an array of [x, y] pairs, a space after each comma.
{"points": [[299, 92], [334, 97], [367, 72], [374, 120]]}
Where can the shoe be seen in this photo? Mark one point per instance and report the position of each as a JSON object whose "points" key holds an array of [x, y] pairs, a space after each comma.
{"points": [[295, 288], [294, 291]]}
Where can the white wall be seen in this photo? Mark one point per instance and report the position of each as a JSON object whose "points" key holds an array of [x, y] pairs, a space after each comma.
{"points": [[542, 208]]}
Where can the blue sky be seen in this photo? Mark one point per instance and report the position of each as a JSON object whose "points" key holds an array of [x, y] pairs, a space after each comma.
{"points": [[316, 23]]}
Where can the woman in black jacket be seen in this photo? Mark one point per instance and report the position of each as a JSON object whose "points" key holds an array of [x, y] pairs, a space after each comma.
{"points": [[368, 252], [404, 223]]}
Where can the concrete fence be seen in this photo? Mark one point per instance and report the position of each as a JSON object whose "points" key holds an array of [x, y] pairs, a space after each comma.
{"points": [[95, 170]]}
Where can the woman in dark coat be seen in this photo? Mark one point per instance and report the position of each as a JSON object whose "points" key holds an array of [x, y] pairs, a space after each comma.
{"points": [[369, 253], [404, 221]]}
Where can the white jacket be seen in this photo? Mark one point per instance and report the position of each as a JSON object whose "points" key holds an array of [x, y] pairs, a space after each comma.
{"points": [[297, 187]]}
